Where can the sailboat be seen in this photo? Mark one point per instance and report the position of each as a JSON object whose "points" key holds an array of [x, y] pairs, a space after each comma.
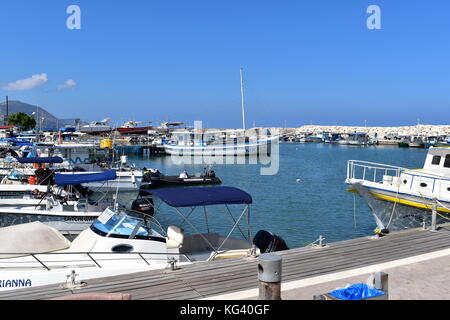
{"points": [[221, 142]]}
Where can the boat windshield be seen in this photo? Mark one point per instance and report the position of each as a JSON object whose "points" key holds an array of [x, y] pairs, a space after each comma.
{"points": [[122, 225]]}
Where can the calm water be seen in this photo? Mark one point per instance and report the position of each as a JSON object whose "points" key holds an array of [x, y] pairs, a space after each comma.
{"points": [[299, 212]]}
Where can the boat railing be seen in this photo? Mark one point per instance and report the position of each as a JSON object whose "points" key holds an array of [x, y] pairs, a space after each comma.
{"points": [[371, 171], [44, 260]]}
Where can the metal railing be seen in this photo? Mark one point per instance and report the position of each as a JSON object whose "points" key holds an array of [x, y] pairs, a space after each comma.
{"points": [[69, 263], [365, 170]]}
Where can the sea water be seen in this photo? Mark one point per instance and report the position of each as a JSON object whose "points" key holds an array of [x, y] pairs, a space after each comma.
{"points": [[306, 199]]}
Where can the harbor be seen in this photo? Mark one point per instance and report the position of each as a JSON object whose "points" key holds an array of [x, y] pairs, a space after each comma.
{"points": [[221, 159]]}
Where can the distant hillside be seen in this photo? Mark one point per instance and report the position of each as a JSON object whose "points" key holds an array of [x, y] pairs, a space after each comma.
{"points": [[50, 121]]}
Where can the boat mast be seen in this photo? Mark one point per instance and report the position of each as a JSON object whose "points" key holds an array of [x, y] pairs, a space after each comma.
{"points": [[242, 100]]}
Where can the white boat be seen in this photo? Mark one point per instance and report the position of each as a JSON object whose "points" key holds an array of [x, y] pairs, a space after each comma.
{"points": [[96, 127], [123, 241], [401, 198], [128, 177], [221, 143], [355, 139], [57, 211], [218, 143]]}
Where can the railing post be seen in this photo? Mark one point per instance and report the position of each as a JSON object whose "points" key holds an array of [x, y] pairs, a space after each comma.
{"points": [[269, 276], [434, 216]]}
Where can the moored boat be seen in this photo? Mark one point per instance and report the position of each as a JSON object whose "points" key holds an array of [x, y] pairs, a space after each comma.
{"points": [[123, 241], [401, 198]]}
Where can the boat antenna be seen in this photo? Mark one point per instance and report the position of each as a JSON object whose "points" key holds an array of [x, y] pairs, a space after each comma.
{"points": [[242, 100]]}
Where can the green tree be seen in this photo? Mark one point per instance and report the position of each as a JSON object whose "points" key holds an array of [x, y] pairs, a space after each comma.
{"points": [[22, 120]]}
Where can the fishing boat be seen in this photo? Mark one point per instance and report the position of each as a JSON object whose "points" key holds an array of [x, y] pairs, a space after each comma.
{"points": [[217, 143], [355, 139], [413, 141], [155, 179], [123, 241], [401, 198], [331, 137], [221, 142]]}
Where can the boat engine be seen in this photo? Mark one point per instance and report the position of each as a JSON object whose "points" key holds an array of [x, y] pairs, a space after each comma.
{"points": [[45, 176], [151, 177], [268, 242], [143, 205]]}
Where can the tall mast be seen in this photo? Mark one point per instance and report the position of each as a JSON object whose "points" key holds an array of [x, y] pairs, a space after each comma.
{"points": [[242, 100]]}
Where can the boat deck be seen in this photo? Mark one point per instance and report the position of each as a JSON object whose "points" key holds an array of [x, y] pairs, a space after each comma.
{"points": [[212, 279]]}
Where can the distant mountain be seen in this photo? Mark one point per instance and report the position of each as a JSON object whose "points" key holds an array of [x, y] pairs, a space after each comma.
{"points": [[50, 121]]}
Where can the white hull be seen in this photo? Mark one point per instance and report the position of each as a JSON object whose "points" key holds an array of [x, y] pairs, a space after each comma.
{"points": [[400, 198], [243, 149]]}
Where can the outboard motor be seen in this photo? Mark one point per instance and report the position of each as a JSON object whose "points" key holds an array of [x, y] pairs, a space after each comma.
{"points": [[268, 242], [143, 205], [151, 177], [45, 176]]}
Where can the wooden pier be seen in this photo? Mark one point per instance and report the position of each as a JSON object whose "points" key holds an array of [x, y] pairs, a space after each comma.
{"points": [[211, 279]]}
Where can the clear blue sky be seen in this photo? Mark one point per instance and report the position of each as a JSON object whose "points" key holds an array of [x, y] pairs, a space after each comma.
{"points": [[303, 60]]}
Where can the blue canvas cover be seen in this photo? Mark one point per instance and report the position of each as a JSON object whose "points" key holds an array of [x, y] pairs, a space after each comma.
{"points": [[41, 160], [194, 197], [80, 178], [357, 292]]}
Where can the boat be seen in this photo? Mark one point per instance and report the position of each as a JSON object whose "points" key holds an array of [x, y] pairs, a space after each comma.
{"points": [[155, 179], [401, 198], [355, 139], [217, 143], [78, 159], [331, 137], [97, 127], [413, 141], [57, 212], [123, 241], [131, 127], [221, 142]]}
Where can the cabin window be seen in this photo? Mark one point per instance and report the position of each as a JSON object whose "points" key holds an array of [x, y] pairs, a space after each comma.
{"points": [[447, 161], [423, 185], [122, 248], [436, 160]]}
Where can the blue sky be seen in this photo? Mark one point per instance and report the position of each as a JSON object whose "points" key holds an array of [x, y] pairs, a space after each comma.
{"points": [[305, 61]]}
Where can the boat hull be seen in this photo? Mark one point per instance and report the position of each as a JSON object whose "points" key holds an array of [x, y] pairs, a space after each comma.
{"points": [[396, 211], [244, 149], [139, 130]]}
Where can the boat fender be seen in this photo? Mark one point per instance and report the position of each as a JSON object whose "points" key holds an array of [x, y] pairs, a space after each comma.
{"points": [[381, 232]]}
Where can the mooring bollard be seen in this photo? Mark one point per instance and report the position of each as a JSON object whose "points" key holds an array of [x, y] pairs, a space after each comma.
{"points": [[269, 276], [381, 281]]}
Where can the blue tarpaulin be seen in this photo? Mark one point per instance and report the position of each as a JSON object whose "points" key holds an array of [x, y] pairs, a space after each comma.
{"points": [[357, 292], [194, 197], [80, 178], [41, 160]]}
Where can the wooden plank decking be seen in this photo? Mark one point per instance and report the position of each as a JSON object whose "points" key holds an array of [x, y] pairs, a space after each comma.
{"points": [[202, 280]]}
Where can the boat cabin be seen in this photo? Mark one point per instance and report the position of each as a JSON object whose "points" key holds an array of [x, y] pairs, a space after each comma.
{"points": [[438, 160]]}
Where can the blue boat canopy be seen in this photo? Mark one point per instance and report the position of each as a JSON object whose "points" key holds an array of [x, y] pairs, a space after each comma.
{"points": [[40, 160], [80, 178], [195, 197]]}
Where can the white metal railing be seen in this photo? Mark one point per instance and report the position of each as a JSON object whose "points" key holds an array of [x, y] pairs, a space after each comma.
{"points": [[44, 260], [365, 170]]}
